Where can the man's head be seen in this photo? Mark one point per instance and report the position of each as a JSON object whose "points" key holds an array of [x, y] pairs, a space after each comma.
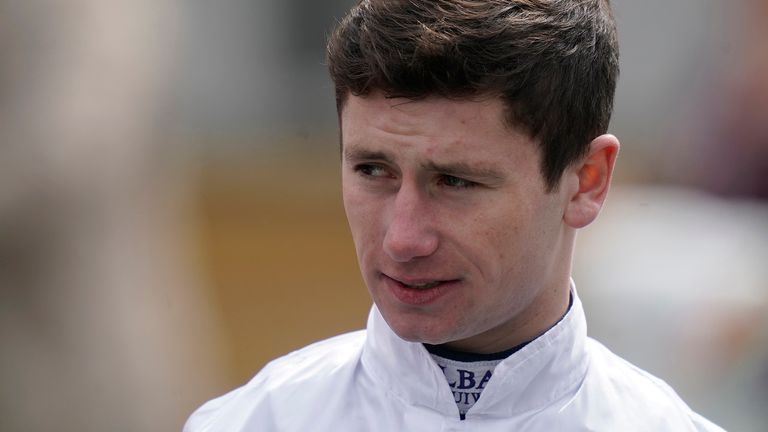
{"points": [[471, 152], [554, 63]]}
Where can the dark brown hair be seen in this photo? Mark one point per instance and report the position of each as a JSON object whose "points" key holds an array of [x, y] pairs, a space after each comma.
{"points": [[553, 62]]}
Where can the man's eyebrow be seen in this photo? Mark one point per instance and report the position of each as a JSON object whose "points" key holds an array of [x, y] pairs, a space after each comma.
{"points": [[358, 154], [462, 169], [458, 169]]}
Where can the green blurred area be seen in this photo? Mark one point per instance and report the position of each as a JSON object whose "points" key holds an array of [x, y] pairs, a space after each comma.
{"points": [[279, 255]]}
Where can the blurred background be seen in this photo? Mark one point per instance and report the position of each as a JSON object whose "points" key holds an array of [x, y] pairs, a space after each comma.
{"points": [[170, 213]]}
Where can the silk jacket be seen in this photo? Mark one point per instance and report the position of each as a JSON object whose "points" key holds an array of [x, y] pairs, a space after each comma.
{"points": [[374, 381]]}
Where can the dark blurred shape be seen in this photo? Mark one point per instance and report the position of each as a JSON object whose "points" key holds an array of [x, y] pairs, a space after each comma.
{"points": [[726, 136]]}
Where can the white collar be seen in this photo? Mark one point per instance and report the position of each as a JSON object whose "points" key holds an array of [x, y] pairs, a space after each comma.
{"points": [[549, 368]]}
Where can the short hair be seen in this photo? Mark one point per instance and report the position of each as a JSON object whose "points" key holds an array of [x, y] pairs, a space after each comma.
{"points": [[554, 63]]}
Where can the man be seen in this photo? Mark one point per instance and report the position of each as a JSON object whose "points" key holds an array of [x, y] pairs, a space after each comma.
{"points": [[473, 148]]}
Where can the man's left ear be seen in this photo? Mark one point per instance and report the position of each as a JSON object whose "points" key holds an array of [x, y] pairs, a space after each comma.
{"points": [[594, 177]]}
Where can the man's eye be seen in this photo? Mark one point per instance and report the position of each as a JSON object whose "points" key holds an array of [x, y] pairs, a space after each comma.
{"points": [[456, 182], [371, 170]]}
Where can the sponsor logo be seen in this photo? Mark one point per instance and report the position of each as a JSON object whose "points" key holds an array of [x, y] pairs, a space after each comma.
{"points": [[465, 384]]}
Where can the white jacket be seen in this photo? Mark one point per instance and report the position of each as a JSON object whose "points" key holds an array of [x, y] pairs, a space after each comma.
{"points": [[374, 381]]}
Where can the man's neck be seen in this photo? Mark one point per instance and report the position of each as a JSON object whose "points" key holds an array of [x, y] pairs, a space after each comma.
{"points": [[458, 351]]}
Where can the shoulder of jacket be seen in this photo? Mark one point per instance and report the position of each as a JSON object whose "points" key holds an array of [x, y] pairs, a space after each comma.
{"points": [[621, 373], [312, 367], [314, 361], [642, 390]]}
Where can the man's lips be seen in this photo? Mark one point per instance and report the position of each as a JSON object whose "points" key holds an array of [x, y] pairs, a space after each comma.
{"points": [[419, 283], [422, 285], [418, 291]]}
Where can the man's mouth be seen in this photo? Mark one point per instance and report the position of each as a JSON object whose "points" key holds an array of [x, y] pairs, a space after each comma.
{"points": [[426, 285], [418, 291], [418, 283]]}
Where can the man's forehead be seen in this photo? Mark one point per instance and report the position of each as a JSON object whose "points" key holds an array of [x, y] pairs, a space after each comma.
{"points": [[377, 108], [466, 138], [393, 100], [464, 119]]}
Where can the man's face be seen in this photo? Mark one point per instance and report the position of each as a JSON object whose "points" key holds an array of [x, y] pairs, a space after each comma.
{"points": [[457, 238]]}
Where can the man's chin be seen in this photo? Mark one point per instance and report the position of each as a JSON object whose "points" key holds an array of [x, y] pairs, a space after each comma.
{"points": [[418, 332]]}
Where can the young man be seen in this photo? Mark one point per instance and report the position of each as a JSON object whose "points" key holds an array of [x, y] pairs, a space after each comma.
{"points": [[473, 148]]}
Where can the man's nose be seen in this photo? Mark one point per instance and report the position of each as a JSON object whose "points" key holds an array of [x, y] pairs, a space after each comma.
{"points": [[410, 233]]}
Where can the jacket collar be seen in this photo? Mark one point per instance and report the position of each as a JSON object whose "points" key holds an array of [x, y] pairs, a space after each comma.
{"points": [[547, 369]]}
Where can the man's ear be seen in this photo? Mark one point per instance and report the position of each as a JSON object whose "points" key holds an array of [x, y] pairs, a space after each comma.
{"points": [[594, 175]]}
